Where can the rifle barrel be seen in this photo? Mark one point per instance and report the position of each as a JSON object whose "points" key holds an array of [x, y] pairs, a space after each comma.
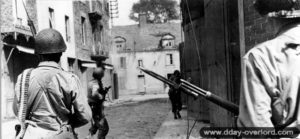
{"points": [[189, 91], [157, 76], [193, 86], [213, 98], [196, 91]]}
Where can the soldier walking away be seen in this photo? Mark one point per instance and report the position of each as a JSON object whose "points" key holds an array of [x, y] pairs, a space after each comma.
{"points": [[271, 75], [49, 102], [96, 97], [175, 95]]}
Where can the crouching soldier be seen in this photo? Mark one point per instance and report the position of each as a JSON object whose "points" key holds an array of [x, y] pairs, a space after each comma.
{"points": [[96, 97], [49, 102]]}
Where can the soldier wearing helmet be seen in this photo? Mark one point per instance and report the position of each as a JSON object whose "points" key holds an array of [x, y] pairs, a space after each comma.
{"points": [[96, 97], [270, 73], [56, 103], [175, 95]]}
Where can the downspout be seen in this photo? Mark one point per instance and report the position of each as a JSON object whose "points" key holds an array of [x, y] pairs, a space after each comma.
{"points": [[1, 50]]}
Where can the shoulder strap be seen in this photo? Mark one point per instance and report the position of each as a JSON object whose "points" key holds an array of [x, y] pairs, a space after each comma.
{"points": [[32, 105], [22, 114], [53, 109]]}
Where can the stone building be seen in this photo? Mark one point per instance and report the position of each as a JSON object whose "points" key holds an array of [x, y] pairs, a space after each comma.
{"points": [[17, 52], [92, 40], [153, 46], [219, 35], [83, 25]]}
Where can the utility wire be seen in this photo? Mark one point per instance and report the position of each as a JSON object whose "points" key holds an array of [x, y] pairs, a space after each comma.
{"points": [[189, 131], [196, 41], [183, 62]]}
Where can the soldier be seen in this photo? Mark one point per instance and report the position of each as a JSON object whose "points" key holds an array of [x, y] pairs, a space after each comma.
{"points": [[175, 95], [56, 103], [96, 97], [271, 75]]}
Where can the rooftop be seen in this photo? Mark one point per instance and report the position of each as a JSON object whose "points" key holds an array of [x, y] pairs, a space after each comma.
{"points": [[147, 36]]}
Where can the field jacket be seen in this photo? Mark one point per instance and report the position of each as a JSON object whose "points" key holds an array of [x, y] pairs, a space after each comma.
{"points": [[61, 101], [270, 72]]}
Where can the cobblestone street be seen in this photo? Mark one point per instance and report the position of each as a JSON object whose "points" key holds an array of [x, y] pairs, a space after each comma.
{"points": [[140, 120]]}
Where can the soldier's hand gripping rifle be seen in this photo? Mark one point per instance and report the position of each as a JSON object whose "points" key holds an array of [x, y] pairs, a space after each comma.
{"points": [[104, 91], [196, 92]]}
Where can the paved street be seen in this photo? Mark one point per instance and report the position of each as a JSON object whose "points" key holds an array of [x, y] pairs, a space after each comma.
{"points": [[140, 120], [136, 117], [127, 117]]}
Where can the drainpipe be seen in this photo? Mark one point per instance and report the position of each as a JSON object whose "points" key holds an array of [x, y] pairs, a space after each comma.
{"points": [[91, 5], [1, 50]]}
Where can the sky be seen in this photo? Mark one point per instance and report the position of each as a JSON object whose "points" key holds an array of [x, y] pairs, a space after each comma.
{"points": [[124, 11]]}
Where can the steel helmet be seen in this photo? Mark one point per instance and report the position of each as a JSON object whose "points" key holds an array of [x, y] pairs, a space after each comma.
{"points": [[49, 41], [278, 8], [98, 72]]}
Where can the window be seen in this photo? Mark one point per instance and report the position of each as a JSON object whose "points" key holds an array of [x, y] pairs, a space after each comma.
{"points": [[169, 59], [169, 43], [168, 40], [83, 30], [101, 36], [140, 63], [71, 64], [67, 26], [120, 42], [122, 62], [119, 45], [20, 12], [107, 8], [51, 18]]}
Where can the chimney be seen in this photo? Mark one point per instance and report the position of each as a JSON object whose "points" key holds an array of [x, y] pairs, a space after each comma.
{"points": [[142, 19]]}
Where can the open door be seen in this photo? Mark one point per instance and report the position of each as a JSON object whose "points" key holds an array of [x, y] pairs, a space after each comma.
{"points": [[141, 84]]}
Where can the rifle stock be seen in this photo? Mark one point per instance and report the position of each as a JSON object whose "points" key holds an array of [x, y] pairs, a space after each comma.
{"points": [[195, 91]]}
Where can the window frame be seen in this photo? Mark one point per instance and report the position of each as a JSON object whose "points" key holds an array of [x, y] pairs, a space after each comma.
{"points": [[71, 63], [123, 63], [83, 30], [169, 59], [67, 28], [51, 18], [140, 63]]}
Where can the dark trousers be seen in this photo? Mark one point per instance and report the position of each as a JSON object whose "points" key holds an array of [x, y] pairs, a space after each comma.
{"points": [[175, 98], [99, 123]]}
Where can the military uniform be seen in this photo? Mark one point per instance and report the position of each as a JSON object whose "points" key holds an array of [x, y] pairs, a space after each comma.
{"points": [[175, 97], [96, 98], [53, 93], [54, 103], [271, 78]]}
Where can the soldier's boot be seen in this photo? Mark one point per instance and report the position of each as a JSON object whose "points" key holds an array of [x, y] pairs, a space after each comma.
{"points": [[175, 115], [178, 114]]}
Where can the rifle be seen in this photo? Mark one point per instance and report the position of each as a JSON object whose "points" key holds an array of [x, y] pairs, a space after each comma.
{"points": [[196, 92], [104, 91]]}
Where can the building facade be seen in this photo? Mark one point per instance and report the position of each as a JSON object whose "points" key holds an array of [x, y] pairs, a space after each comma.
{"points": [[83, 25], [152, 46], [219, 35], [17, 51]]}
